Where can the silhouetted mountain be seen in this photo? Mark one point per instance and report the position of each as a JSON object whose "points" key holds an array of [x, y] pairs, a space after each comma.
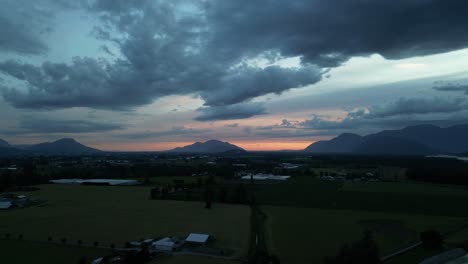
{"points": [[383, 145], [452, 139], [210, 146], [413, 140], [9, 151], [6, 149], [4, 144], [344, 143], [64, 146]]}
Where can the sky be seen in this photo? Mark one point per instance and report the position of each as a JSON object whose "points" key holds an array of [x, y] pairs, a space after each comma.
{"points": [[265, 75]]}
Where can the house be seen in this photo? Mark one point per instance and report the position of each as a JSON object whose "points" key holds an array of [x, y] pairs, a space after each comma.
{"points": [[239, 165], [197, 239], [290, 166], [111, 182], [263, 177], [164, 244], [5, 204]]}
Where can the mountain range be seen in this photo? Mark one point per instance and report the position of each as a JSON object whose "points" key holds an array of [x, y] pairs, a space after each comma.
{"points": [[210, 146], [64, 146], [412, 140]]}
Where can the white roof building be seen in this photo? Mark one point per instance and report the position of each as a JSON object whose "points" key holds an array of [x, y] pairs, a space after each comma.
{"points": [[197, 238], [164, 244], [5, 204], [263, 177], [96, 181]]}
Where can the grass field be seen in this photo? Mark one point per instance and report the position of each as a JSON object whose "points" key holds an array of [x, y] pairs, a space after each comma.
{"points": [[119, 214], [14, 251], [407, 188], [310, 192], [192, 260], [307, 235], [414, 256]]}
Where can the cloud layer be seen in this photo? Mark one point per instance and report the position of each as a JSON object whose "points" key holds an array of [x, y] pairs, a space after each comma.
{"points": [[203, 48]]}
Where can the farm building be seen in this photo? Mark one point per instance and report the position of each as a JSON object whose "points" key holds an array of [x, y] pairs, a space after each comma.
{"points": [[197, 239], [111, 182], [263, 177], [164, 244], [290, 166], [5, 205], [239, 165]]}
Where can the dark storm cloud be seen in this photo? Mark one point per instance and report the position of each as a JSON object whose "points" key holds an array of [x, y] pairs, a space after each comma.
{"points": [[15, 38], [328, 33], [250, 82], [37, 126], [401, 112], [174, 132], [410, 106], [165, 50], [24, 24], [229, 112], [451, 87], [85, 82]]}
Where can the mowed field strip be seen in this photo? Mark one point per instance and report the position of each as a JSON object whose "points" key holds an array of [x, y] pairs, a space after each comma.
{"points": [[119, 214], [307, 235]]}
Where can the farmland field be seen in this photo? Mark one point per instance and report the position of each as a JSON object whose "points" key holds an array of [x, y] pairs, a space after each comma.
{"points": [[406, 188], [14, 251], [119, 214], [307, 235], [191, 260], [309, 192]]}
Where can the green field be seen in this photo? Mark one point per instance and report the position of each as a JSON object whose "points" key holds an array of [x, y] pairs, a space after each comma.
{"points": [[119, 214], [313, 193], [307, 235], [307, 219], [406, 188], [14, 251], [310, 219], [191, 260]]}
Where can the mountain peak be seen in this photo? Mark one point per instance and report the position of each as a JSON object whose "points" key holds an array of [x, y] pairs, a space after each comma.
{"points": [[64, 146], [214, 141], [344, 143], [4, 144], [349, 135], [412, 140], [209, 146], [66, 140]]}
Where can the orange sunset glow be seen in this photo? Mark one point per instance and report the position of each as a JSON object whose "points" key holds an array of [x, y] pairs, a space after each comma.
{"points": [[247, 145]]}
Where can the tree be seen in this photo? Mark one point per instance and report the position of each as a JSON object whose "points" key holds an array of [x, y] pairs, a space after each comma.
{"points": [[222, 195], [431, 239], [82, 260], [240, 194], [364, 251], [154, 193], [187, 195], [208, 198]]}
